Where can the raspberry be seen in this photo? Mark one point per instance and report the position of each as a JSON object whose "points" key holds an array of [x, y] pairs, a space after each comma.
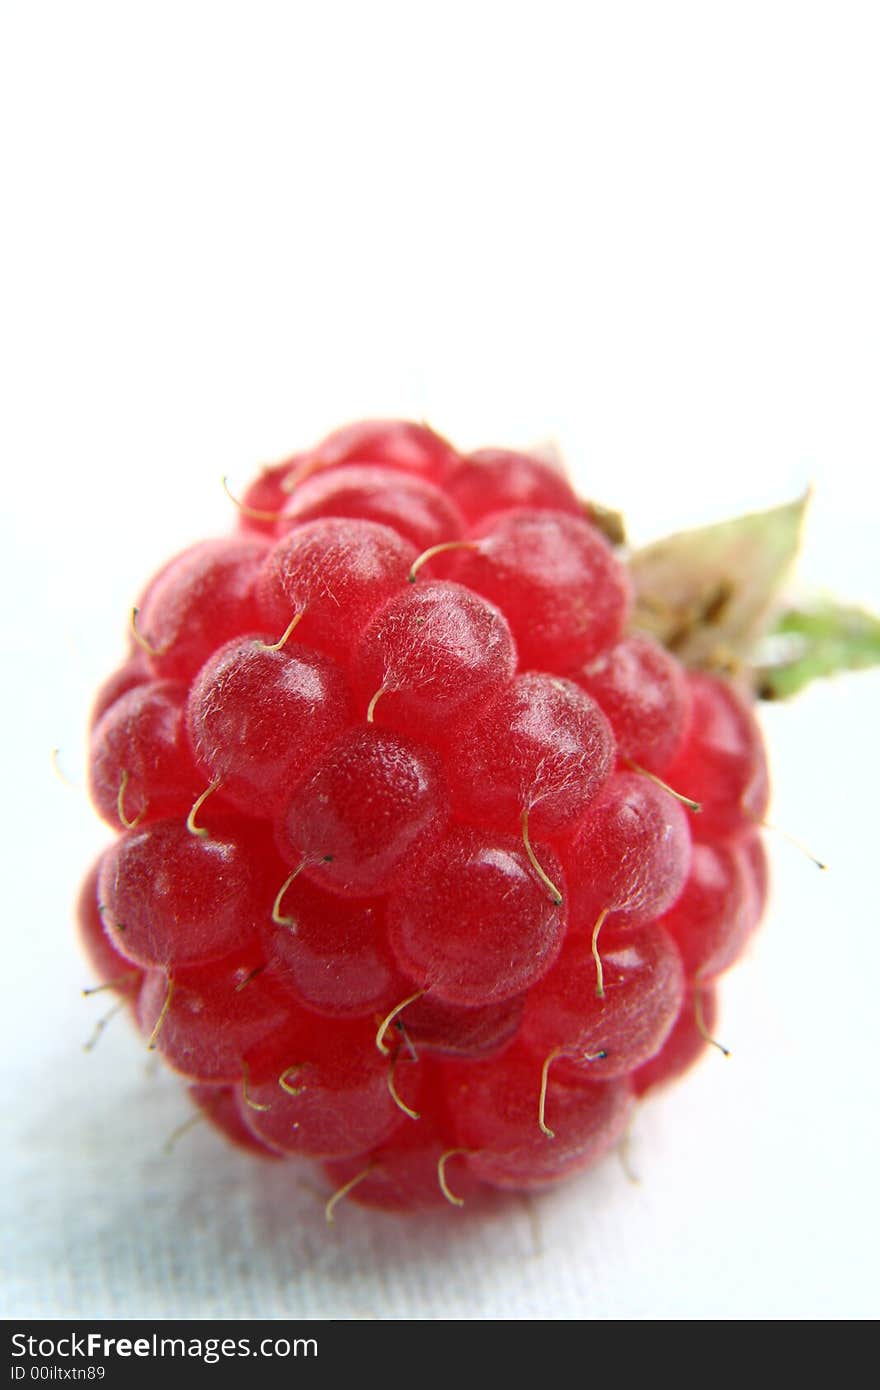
{"points": [[202, 598], [644, 694], [416, 510], [355, 819], [476, 924], [334, 955], [325, 1091], [541, 746], [721, 761], [175, 898], [396, 886], [596, 1037], [334, 572], [563, 592], [497, 480], [206, 1022], [141, 768], [241, 708], [109, 965], [430, 654]]}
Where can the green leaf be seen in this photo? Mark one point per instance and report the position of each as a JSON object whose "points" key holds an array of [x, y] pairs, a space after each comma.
{"points": [[821, 640], [710, 594]]}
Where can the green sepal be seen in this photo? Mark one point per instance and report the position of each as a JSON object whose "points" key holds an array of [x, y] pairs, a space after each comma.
{"points": [[711, 594], [820, 640]]}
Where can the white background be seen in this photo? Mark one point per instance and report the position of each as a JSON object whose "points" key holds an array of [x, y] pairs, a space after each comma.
{"points": [[648, 232]]}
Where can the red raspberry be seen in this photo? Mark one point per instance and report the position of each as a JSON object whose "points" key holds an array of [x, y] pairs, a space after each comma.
{"points": [[396, 885]]}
